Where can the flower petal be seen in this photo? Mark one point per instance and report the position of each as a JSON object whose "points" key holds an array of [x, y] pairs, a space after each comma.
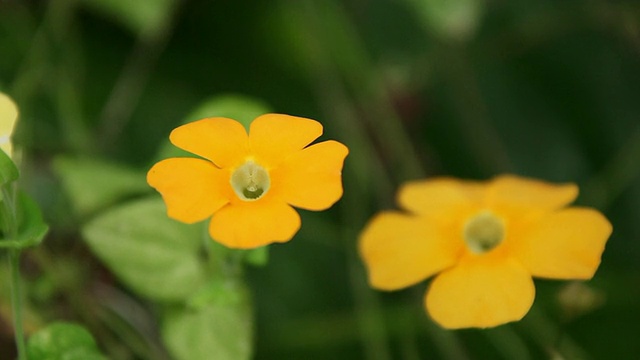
{"points": [[192, 189], [481, 293], [274, 137], [221, 140], [563, 245], [8, 117], [439, 197], [401, 250], [312, 178], [521, 192], [246, 225]]}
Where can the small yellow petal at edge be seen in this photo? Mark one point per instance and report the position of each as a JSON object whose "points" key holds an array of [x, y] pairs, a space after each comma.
{"points": [[8, 117], [521, 192], [221, 140], [248, 225], [274, 137], [193, 189], [480, 293], [400, 250], [312, 178], [8, 114], [566, 244]]}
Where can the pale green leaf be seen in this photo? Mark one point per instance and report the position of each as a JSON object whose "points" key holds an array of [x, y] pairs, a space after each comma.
{"points": [[93, 184], [63, 341], [8, 170], [31, 227], [220, 326], [154, 255], [238, 107]]}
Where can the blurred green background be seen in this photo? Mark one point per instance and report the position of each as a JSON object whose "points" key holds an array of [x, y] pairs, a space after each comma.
{"points": [[467, 88]]}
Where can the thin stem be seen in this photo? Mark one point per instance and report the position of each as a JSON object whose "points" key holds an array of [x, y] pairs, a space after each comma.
{"points": [[11, 231], [353, 66], [508, 342], [131, 83], [16, 302], [622, 171], [477, 129], [551, 337], [55, 34]]}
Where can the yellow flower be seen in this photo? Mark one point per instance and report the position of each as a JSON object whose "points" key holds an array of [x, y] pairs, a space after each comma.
{"points": [[485, 241], [8, 117], [249, 182]]}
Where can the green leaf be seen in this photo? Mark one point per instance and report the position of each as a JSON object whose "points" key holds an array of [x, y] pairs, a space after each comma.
{"points": [[220, 291], [220, 326], [237, 107], [31, 226], [141, 17], [156, 256], [93, 184], [241, 108], [63, 341], [8, 170]]}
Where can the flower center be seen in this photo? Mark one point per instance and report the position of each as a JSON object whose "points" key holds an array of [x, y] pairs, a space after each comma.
{"points": [[483, 232], [250, 181]]}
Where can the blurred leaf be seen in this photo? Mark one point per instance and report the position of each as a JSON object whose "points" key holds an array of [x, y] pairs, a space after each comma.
{"points": [[220, 326], [237, 107], [31, 226], [63, 341], [221, 290], [8, 170], [449, 19], [156, 256], [141, 17], [93, 184], [241, 108]]}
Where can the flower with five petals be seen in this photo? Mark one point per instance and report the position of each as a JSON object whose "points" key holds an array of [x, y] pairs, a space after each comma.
{"points": [[483, 242], [248, 183]]}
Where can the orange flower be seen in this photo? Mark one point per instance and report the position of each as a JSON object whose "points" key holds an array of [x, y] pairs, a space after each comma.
{"points": [[486, 241], [248, 183]]}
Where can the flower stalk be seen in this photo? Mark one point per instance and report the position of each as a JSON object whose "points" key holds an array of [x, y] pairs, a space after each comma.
{"points": [[16, 302], [10, 223]]}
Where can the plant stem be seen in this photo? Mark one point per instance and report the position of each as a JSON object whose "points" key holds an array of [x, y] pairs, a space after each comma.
{"points": [[16, 302], [10, 221]]}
